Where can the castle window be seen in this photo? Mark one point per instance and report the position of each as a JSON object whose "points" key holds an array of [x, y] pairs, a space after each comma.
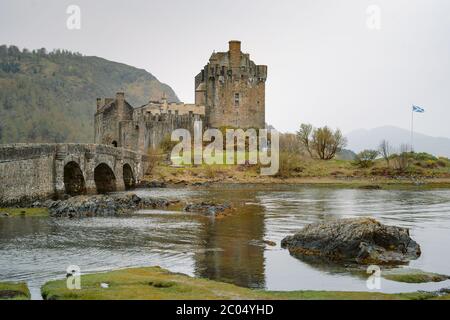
{"points": [[236, 99]]}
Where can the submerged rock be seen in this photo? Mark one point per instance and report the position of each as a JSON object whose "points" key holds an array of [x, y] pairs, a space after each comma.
{"points": [[4, 214], [208, 208], [408, 275], [152, 184], [370, 187], [358, 240]]}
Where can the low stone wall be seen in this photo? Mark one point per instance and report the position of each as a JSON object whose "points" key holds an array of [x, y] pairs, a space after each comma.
{"points": [[26, 172]]}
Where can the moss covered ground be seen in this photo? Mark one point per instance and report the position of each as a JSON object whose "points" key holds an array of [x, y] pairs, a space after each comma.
{"points": [[156, 283]]}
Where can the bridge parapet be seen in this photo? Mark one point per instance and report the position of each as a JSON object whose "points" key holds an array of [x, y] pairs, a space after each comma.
{"points": [[37, 170]]}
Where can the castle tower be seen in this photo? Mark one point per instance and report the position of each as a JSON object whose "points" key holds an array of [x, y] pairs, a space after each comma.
{"points": [[232, 88]]}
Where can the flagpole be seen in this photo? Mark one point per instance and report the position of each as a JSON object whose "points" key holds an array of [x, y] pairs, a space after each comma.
{"points": [[412, 129]]}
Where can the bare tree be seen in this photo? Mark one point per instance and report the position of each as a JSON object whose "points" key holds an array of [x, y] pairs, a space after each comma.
{"points": [[321, 142], [401, 162], [289, 142], [385, 150], [304, 136]]}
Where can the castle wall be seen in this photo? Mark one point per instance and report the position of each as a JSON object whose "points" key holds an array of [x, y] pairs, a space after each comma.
{"points": [[233, 88], [108, 118], [26, 172], [158, 127], [107, 126], [250, 111], [229, 91]]}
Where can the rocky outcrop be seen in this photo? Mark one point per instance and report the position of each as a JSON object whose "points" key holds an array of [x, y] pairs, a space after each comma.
{"points": [[359, 240], [208, 208], [100, 205], [151, 184]]}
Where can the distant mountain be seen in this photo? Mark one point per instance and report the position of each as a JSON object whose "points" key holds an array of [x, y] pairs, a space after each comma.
{"points": [[370, 139], [51, 97], [345, 154]]}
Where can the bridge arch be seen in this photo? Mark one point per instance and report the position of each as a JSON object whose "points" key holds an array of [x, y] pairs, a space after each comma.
{"points": [[128, 177], [74, 183], [105, 180]]}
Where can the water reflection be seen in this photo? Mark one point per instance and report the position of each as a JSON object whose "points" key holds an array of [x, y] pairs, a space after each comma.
{"points": [[233, 249], [230, 249]]}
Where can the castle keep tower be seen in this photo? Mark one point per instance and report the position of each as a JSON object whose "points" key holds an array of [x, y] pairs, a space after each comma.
{"points": [[232, 89], [229, 92]]}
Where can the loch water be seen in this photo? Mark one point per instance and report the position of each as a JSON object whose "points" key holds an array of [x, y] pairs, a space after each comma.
{"points": [[231, 249]]}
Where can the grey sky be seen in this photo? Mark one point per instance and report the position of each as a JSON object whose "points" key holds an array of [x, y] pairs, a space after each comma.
{"points": [[325, 65]]}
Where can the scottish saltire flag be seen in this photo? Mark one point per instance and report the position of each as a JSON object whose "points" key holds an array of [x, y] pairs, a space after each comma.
{"points": [[418, 109]]}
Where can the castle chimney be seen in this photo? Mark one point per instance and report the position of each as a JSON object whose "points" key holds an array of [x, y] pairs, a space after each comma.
{"points": [[120, 100], [120, 96], [99, 103], [235, 53]]}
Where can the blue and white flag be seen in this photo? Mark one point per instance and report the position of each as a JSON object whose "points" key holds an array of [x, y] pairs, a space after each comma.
{"points": [[418, 109]]}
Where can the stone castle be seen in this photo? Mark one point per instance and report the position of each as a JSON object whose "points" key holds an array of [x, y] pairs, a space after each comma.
{"points": [[229, 92]]}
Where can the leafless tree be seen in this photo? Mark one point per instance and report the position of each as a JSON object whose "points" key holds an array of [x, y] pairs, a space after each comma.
{"points": [[385, 150], [304, 135], [401, 161], [322, 142], [289, 142]]}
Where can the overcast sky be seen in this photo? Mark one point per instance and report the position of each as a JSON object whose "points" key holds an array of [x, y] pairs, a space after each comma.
{"points": [[325, 65]]}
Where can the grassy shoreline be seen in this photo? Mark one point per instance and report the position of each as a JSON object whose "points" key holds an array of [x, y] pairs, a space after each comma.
{"points": [[303, 171], [359, 183], [24, 212], [155, 283], [14, 291]]}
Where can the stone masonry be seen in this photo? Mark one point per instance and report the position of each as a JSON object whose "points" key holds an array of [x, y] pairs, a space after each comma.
{"points": [[229, 92], [35, 171]]}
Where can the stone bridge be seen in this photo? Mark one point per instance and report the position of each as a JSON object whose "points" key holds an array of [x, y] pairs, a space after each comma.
{"points": [[34, 171]]}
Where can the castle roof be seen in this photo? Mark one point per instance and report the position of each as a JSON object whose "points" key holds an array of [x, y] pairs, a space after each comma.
{"points": [[201, 87]]}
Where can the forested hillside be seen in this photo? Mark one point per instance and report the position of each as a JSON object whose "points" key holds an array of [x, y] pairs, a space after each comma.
{"points": [[51, 97]]}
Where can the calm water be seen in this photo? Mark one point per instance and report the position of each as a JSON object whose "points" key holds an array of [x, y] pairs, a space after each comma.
{"points": [[36, 250]]}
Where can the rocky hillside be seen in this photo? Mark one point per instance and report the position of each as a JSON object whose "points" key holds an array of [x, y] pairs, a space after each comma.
{"points": [[50, 97]]}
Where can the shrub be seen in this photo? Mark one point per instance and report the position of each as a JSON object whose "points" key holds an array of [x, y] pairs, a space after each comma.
{"points": [[212, 172], [167, 144], [366, 158], [401, 160], [422, 156], [442, 162], [289, 165], [323, 142], [153, 159]]}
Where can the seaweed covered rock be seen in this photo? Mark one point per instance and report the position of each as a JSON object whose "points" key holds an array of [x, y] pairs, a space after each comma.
{"points": [[208, 208], [358, 240], [101, 205]]}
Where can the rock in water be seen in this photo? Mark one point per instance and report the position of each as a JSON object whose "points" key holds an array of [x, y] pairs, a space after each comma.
{"points": [[359, 240], [208, 208], [102, 205]]}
